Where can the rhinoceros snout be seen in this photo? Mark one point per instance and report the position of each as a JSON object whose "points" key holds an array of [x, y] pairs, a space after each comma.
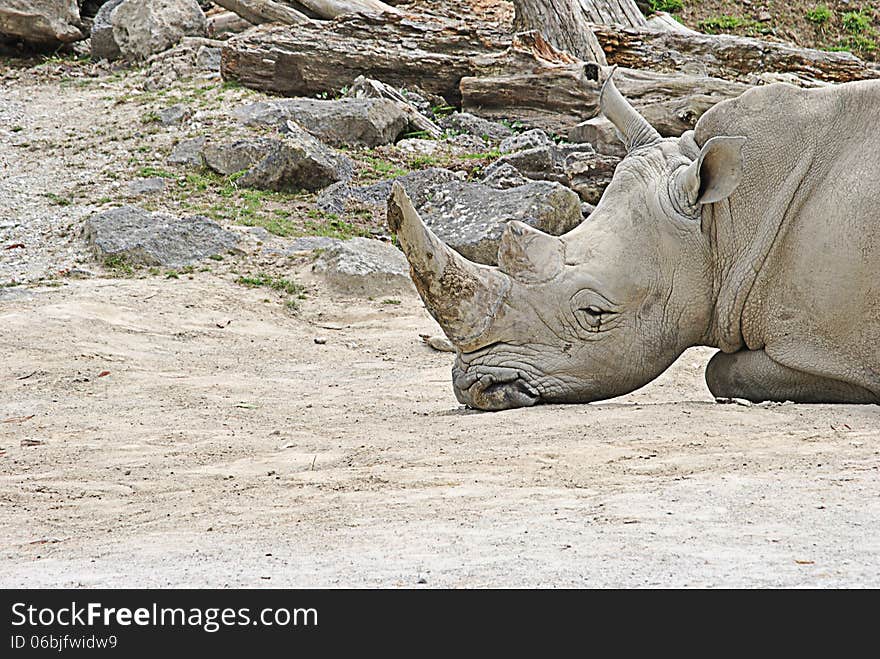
{"points": [[498, 389]]}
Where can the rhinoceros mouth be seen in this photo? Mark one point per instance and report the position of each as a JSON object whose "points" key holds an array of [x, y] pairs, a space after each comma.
{"points": [[493, 389]]}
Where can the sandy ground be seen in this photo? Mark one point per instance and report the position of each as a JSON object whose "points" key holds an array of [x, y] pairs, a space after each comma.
{"points": [[242, 453], [250, 456]]}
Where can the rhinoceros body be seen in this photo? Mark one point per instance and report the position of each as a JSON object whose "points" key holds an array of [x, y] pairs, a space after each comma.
{"points": [[757, 233]]}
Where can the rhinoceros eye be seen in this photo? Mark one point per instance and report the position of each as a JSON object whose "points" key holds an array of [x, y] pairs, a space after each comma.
{"points": [[591, 310], [591, 315]]}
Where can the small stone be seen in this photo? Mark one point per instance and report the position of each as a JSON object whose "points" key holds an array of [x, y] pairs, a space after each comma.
{"points": [[188, 152], [208, 58], [146, 186], [469, 124], [173, 114], [765, 16], [320, 340], [503, 175], [527, 140]]}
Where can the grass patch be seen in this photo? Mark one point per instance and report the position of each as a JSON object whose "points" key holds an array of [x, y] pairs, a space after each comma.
{"points": [[154, 172], [819, 14], [292, 291], [328, 225], [119, 266], [856, 22], [58, 200], [669, 6], [716, 24], [377, 168]]}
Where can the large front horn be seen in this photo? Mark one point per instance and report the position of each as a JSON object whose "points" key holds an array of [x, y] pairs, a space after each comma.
{"points": [[634, 129], [463, 297]]}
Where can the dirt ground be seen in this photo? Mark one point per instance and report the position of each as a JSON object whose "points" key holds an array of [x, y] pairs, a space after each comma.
{"points": [[189, 431]]}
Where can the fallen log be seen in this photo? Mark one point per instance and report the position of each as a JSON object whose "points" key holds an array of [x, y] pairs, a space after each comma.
{"points": [[425, 51], [227, 21], [544, 90], [264, 11], [335, 8], [726, 56], [469, 64]]}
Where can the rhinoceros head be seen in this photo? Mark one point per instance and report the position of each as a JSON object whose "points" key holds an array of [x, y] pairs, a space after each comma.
{"points": [[599, 311]]}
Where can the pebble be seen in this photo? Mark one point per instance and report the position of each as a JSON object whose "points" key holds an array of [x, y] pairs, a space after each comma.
{"points": [[320, 340]]}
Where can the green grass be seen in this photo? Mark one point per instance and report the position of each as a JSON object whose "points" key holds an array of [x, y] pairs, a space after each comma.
{"points": [[382, 169], [819, 14], [716, 24], [329, 225], [119, 266], [58, 200], [856, 22], [669, 6], [293, 291], [154, 172]]}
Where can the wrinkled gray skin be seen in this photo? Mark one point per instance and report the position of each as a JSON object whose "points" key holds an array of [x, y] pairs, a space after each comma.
{"points": [[757, 233]]}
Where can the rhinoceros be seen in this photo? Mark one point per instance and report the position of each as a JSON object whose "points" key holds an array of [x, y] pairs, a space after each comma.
{"points": [[757, 233]]}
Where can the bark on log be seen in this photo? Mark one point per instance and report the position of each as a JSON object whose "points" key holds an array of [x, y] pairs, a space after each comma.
{"points": [[427, 52], [264, 11], [333, 8], [727, 56], [563, 23], [613, 12], [523, 78], [227, 21], [541, 89]]}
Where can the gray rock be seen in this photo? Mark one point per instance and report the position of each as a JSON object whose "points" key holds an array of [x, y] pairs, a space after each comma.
{"points": [[189, 152], [465, 122], [208, 58], [470, 217], [362, 266], [293, 161], [542, 163], [231, 157], [527, 140], [173, 114], [601, 134], [142, 29], [589, 174], [103, 44], [345, 121], [146, 186], [503, 176], [300, 245], [145, 238], [40, 22], [337, 197]]}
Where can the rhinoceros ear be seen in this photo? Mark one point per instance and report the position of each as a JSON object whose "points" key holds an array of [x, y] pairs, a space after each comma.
{"points": [[529, 255], [715, 173]]}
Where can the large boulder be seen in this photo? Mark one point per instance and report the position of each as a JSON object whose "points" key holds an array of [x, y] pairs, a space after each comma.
{"points": [[143, 238], [140, 29], [103, 43], [40, 22], [343, 122], [362, 266], [470, 217], [292, 161]]}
